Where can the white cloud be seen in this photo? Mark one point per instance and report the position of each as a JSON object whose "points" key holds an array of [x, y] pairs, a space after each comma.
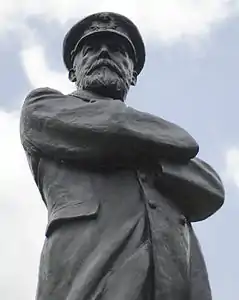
{"points": [[39, 74], [165, 20], [232, 165], [22, 216], [22, 235]]}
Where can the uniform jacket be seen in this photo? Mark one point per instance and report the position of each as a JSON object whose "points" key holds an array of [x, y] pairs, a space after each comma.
{"points": [[121, 188]]}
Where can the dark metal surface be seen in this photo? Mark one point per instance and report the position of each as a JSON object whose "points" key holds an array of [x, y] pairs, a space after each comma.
{"points": [[121, 188]]}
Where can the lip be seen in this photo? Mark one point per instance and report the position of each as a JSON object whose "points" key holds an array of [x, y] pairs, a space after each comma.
{"points": [[114, 69]]}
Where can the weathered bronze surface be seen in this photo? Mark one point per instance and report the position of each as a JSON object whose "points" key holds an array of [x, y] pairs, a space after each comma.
{"points": [[121, 186]]}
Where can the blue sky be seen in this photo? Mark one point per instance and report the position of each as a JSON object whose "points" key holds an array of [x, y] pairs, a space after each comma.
{"points": [[190, 78]]}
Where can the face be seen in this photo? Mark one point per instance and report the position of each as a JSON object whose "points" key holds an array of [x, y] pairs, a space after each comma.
{"points": [[104, 65]]}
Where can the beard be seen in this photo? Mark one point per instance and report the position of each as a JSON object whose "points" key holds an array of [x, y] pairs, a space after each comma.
{"points": [[106, 82]]}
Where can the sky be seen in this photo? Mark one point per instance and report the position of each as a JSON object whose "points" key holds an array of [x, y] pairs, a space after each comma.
{"points": [[190, 78]]}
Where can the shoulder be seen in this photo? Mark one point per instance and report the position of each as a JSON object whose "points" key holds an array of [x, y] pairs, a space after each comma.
{"points": [[42, 92]]}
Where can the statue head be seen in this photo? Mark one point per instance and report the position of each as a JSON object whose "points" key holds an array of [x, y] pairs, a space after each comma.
{"points": [[104, 54]]}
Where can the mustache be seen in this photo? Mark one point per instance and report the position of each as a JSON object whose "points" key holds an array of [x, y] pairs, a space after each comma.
{"points": [[105, 63]]}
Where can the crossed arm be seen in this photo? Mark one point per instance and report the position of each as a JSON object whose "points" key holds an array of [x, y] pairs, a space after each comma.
{"points": [[195, 186], [110, 132], [69, 128]]}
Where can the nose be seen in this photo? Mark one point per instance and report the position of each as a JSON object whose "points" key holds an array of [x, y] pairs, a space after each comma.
{"points": [[104, 52]]}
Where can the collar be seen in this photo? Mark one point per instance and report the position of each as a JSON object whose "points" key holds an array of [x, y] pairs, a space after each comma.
{"points": [[88, 96]]}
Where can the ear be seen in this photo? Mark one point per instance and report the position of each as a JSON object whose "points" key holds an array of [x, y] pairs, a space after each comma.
{"points": [[72, 75], [134, 78]]}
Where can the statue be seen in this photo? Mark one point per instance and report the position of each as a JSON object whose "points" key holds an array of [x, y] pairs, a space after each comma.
{"points": [[121, 186]]}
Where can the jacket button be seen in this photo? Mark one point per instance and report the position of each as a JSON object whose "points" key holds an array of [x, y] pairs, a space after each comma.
{"points": [[152, 204], [143, 177], [182, 220]]}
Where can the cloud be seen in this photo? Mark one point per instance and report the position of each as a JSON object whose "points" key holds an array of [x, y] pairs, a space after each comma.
{"points": [[232, 165], [38, 73], [165, 20], [22, 216]]}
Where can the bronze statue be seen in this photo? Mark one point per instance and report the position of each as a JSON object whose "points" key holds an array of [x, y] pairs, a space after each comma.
{"points": [[121, 186]]}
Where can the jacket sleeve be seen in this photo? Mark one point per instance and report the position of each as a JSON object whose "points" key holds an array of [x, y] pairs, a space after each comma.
{"points": [[194, 187], [56, 126], [105, 132]]}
